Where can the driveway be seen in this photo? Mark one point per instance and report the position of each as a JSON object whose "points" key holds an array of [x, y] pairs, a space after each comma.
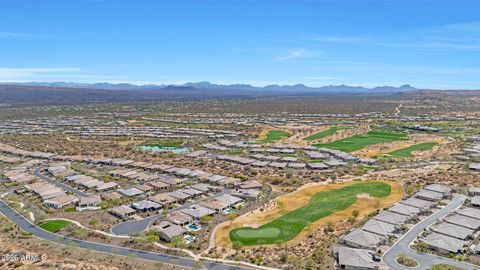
{"points": [[401, 247], [25, 225], [60, 184]]}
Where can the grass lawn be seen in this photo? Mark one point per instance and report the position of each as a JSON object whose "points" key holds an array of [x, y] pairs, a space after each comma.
{"points": [[54, 225], [325, 133], [407, 151], [357, 142], [275, 135], [70, 209], [321, 204], [315, 161]]}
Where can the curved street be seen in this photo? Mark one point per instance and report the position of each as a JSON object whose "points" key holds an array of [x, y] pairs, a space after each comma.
{"points": [[27, 226], [425, 261], [137, 226], [59, 184]]}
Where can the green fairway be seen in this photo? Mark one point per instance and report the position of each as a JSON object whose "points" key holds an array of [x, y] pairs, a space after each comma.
{"points": [[275, 135], [54, 225], [323, 134], [320, 205], [264, 232], [407, 151], [358, 142]]}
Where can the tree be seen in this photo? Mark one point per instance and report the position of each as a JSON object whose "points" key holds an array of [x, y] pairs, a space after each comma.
{"points": [[237, 245], [152, 238], [104, 204], [231, 217], [422, 246], [177, 241], [319, 255], [93, 222], [355, 213], [289, 173], [329, 227], [310, 264], [205, 219]]}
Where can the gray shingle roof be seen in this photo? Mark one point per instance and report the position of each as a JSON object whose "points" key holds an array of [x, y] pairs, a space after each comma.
{"points": [[356, 258], [469, 212], [419, 203], [430, 195], [363, 238], [439, 188], [464, 221], [404, 210], [444, 242], [378, 227], [452, 230], [392, 218]]}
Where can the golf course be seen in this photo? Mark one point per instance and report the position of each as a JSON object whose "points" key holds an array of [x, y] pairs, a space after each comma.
{"points": [[273, 135], [323, 134], [407, 151], [357, 142], [332, 199]]}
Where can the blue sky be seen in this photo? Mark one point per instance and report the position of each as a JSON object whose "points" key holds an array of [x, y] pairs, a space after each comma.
{"points": [[429, 44]]}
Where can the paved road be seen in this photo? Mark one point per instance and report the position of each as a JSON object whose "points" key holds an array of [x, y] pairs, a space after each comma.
{"points": [[60, 184], [137, 226], [25, 225], [425, 260]]}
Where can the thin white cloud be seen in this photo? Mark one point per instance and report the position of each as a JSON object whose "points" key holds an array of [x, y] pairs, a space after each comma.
{"points": [[6, 73], [433, 45], [461, 36], [53, 74], [22, 35], [294, 54]]}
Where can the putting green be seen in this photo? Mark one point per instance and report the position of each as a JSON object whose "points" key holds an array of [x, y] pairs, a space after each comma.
{"points": [[321, 204]]}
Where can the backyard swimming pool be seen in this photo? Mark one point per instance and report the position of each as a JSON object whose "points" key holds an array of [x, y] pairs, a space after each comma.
{"points": [[229, 211], [176, 150], [193, 227], [189, 239]]}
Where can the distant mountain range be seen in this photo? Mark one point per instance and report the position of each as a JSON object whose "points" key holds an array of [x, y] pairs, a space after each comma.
{"points": [[32, 93], [297, 88]]}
